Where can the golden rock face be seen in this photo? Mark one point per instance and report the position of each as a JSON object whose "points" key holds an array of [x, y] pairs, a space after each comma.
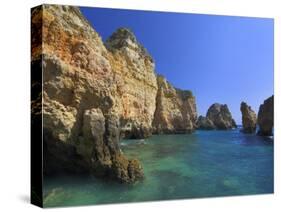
{"points": [[81, 74], [249, 118], [175, 111], [134, 69]]}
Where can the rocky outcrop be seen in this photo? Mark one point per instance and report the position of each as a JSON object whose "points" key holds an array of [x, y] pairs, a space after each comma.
{"points": [[175, 109], [249, 118], [80, 108], [220, 116], [265, 117], [101, 134], [234, 125], [133, 70], [205, 123], [95, 92]]}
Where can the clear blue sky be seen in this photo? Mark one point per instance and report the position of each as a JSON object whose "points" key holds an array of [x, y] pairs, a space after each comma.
{"points": [[222, 59]]}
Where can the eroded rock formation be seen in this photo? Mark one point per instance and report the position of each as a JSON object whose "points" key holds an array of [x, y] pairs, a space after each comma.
{"points": [[133, 69], [93, 92], [100, 144], [205, 123], [80, 111], [265, 117], [175, 109], [218, 117], [249, 118]]}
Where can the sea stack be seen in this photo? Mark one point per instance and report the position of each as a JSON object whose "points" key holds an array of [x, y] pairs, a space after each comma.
{"points": [[265, 117], [175, 109], [218, 117], [249, 118]]}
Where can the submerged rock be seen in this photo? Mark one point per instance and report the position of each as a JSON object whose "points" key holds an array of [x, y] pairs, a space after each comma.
{"points": [[205, 123], [265, 117], [221, 117], [125, 170], [175, 109], [249, 118]]}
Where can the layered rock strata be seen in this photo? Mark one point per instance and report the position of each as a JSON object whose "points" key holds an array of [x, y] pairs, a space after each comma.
{"points": [[133, 70], [249, 118], [80, 112], [93, 93], [175, 109], [265, 117]]}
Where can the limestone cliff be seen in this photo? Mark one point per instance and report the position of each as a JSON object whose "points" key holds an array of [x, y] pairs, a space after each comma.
{"points": [[80, 116], [94, 93], [249, 118], [265, 117], [133, 69], [175, 109], [218, 117]]}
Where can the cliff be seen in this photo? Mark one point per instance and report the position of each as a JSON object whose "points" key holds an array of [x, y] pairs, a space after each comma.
{"points": [[133, 69], [249, 118], [80, 120], [175, 109], [95, 92], [265, 117]]}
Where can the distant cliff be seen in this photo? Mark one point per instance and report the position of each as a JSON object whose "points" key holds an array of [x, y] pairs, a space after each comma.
{"points": [[266, 117], [95, 92], [175, 109]]}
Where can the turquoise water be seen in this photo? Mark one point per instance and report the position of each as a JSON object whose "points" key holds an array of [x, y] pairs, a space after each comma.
{"points": [[203, 164]]}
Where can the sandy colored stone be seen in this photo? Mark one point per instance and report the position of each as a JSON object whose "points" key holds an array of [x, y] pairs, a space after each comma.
{"points": [[95, 92], [175, 109], [249, 118], [137, 87], [81, 109], [221, 117]]}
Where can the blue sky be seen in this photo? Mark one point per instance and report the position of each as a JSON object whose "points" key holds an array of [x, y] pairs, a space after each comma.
{"points": [[222, 59]]}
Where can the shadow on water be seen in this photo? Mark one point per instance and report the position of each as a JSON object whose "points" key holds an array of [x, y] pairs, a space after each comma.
{"points": [[255, 140]]}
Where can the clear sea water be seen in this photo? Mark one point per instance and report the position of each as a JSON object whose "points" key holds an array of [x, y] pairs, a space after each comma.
{"points": [[203, 164]]}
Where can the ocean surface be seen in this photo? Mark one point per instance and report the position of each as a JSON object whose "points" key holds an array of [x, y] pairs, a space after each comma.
{"points": [[203, 164]]}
